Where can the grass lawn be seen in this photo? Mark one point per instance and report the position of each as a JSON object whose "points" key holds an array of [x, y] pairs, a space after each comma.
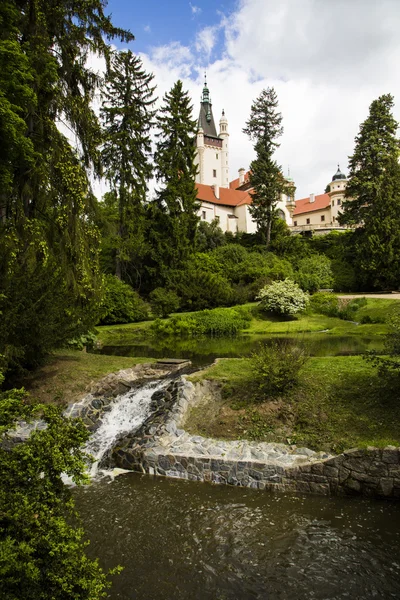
{"points": [[376, 309], [339, 403], [67, 375]]}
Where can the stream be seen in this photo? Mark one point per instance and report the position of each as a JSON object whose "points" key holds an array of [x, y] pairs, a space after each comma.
{"points": [[187, 540]]}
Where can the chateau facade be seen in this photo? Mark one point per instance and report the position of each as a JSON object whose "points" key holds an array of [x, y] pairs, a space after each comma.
{"points": [[319, 213], [221, 199]]}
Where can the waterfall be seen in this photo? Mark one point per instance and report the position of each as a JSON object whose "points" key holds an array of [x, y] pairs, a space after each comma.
{"points": [[126, 415]]}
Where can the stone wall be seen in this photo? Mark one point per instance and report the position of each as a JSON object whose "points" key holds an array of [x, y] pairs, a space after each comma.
{"points": [[163, 447]]}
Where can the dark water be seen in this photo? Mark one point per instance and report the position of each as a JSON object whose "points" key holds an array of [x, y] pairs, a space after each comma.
{"points": [[195, 541], [203, 351]]}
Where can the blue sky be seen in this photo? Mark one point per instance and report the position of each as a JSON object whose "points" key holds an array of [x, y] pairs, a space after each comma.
{"points": [[161, 22], [327, 60]]}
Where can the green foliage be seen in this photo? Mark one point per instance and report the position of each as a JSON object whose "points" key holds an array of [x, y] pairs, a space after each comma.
{"points": [[42, 548], [49, 275], [209, 236], [217, 322], [314, 273], [121, 304], [276, 367], [264, 127], [373, 197], [325, 304], [173, 212], [87, 340], [389, 366], [163, 302], [200, 284], [128, 118], [284, 298]]}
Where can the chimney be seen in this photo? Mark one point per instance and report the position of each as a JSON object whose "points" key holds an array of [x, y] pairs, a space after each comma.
{"points": [[216, 190], [312, 198], [241, 176]]}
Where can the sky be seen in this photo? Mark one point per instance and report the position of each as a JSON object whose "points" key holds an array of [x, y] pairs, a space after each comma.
{"points": [[327, 60]]}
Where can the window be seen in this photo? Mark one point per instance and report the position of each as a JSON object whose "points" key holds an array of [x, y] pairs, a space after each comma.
{"points": [[203, 215], [333, 203], [339, 201], [295, 223], [307, 221], [333, 219], [322, 217], [216, 156], [214, 172]]}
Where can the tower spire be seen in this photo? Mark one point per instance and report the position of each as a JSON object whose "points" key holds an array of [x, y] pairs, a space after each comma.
{"points": [[206, 92]]}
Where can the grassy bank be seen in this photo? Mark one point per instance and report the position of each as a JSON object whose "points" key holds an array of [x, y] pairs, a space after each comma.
{"points": [[376, 309], [68, 374], [339, 403]]}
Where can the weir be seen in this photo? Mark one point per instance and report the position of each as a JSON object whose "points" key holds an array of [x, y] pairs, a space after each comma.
{"points": [[144, 430]]}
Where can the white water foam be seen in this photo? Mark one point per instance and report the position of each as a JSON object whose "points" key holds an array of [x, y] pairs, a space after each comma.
{"points": [[128, 412]]}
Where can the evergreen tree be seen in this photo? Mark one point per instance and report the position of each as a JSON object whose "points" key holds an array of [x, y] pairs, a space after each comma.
{"points": [[128, 117], [264, 127], [373, 198], [49, 276], [174, 210]]}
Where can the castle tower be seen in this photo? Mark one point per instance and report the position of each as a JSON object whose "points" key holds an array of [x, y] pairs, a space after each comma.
{"points": [[212, 149], [337, 189], [224, 135]]}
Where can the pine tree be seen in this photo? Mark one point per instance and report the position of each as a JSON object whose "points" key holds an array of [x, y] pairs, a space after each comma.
{"points": [[175, 208], [264, 127], [373, 197], [128, 118]]}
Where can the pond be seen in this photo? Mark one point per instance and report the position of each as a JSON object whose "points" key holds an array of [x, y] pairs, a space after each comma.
{"points": [[204, 350], [195, 541]]}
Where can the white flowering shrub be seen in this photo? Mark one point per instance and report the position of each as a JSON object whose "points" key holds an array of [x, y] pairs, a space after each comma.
{"points": [[283, 298]]}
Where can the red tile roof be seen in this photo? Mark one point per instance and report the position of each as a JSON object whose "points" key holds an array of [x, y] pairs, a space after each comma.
{"points": [[235, 183], [227, 196], [305, 206]]}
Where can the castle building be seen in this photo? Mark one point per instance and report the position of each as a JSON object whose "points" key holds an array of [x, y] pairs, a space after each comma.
{"points": [[319, 213], [220, 199]]}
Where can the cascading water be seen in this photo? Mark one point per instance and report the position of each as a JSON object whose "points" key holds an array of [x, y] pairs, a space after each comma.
{"points": [[126, 415]]}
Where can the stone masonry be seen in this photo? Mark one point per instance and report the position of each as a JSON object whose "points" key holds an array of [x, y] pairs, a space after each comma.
{"points": [[163, 447]]}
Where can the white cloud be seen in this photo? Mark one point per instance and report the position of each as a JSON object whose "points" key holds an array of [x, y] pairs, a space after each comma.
{"points": [[326, 60], [206, 40], [196, 10], [147, 29]]}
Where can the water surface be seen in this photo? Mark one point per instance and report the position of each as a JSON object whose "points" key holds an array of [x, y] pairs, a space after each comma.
{"points": [[204, 350], [188, 540]]}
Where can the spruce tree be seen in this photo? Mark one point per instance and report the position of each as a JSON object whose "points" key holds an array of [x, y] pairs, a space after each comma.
{"points": [[128, 118], [175, 207], [373, 197], [49, 275], [264, 127]]}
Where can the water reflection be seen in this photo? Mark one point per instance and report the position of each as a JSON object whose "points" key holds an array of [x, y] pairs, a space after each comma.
{"points": [[202, 351], [196, 541]]}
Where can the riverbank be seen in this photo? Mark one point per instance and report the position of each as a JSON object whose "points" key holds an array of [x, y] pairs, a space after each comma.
{"points": [[340, 403], [376, 310], [68, 374]]}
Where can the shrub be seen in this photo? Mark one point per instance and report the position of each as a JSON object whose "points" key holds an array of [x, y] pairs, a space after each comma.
{"points": [[163, 302], [217, 322], [276, 366], [325, 304], [283, 298], [199, 288], [121, 304], [389, 366], [315, 273]]}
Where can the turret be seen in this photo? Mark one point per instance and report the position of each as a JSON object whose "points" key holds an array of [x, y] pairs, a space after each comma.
{"points": [[337, 189]]}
